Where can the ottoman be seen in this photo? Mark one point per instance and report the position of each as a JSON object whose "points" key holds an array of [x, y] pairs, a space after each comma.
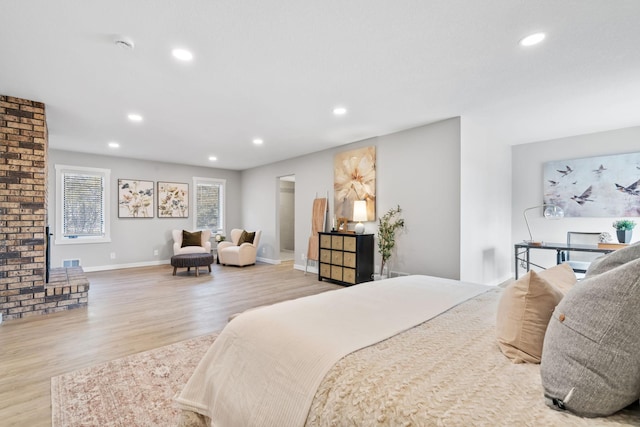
{"points": [[191, 260]]}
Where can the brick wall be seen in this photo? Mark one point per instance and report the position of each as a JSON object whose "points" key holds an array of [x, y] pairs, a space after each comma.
{"points": [[23, 211]]}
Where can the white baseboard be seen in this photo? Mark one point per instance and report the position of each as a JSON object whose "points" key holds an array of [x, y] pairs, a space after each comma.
{"points": [[269, 260], [129, 265]]}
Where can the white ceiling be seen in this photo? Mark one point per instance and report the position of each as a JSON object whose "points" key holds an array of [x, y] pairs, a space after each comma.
{"points": [[275, 69]]}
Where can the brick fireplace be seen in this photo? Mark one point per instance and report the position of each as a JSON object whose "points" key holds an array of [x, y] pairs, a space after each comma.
{"points": [[23, 218]]}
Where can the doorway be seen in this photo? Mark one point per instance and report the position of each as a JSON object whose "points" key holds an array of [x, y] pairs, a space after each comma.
{"points": [[287, 217]]}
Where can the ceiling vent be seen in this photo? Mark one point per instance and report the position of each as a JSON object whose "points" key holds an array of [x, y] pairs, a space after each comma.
{"points": [[124, 43]]}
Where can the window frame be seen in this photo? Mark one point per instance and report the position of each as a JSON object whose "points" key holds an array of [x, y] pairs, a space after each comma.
{"points": [[105, 174], [222, 197]]}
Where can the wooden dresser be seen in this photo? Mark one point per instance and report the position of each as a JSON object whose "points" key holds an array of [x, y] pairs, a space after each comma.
{"points": [[346, 259]]}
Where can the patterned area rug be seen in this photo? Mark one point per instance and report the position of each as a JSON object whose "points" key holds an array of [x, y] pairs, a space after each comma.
{"points": [[137, 390]]}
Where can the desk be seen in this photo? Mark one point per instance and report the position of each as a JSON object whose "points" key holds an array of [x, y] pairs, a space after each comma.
{"points": [[522, 249]]}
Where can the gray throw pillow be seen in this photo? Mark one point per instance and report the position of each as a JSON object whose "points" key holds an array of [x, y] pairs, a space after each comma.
{"points": [[613, 260], [591, 352]]}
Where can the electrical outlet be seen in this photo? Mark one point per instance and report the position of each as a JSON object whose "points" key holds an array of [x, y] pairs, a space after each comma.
{"points": [[113, 255], [155, 252], [303, 256]]}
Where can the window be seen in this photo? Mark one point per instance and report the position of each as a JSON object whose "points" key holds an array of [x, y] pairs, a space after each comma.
{"points": [[209, 202], [83, 211]]}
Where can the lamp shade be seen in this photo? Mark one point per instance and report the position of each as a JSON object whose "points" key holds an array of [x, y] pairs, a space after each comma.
{"points": [[359, 214], [360, 210]]}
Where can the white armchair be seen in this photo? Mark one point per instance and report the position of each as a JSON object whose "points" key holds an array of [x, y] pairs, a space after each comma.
{"points": [[205, 244], [233, 254]]}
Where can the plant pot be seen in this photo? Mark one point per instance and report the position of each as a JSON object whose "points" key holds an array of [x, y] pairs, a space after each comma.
{"points": [[624, 236]]}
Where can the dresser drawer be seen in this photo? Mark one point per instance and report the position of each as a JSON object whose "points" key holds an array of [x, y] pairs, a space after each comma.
{"points": [[336, 272], [336, 242], [325, 241], [349, 259], [336, 257], [349, 275], [325, 270], [349, 243], [325, 256]]}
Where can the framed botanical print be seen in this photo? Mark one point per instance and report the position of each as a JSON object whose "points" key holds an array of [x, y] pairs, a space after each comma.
{"points": [[135, 198], [354, 178], [173, 200]]}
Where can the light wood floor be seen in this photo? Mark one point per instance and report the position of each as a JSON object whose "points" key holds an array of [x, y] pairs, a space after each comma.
{"points": [[130, 311]]}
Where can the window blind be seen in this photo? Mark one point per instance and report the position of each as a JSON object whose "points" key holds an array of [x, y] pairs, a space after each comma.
{"points": [[209, 205], [83, 198]]}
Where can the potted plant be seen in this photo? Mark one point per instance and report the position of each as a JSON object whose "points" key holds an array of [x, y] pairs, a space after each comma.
{"points": [[624, 229], [389, 223]]}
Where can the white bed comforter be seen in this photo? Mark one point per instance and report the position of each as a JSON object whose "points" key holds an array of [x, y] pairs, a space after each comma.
{"points": [[266, 365]]}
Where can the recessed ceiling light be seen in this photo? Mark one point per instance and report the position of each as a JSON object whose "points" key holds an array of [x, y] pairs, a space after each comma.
{"points": [[135, 117], [258, 141], [213, 158], [339, 111], [182, 54], [532, 39], [113, 144]]}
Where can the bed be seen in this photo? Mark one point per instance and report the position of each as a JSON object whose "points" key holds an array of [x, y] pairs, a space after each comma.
{"points": [[414, 351]]}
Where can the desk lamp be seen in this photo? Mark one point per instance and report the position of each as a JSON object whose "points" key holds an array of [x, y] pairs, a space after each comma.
{"points": [[360, 214], [550, 212]]}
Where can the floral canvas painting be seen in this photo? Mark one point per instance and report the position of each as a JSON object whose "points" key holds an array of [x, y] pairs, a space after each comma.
{"points": [[173, 200], [135, 198], [354, 178], [604, 186]]}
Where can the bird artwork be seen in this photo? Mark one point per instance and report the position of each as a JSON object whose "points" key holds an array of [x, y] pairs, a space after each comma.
{"points": [[601, 186], [632, 189], [599, 170], [584, 197], [565, 172]]}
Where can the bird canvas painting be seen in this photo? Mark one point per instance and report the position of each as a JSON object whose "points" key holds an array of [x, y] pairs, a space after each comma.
{"points": [[603, 186]]}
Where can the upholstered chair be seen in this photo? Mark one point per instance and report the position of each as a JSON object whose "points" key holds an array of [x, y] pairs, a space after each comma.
{"points": [[205, 244], [232, 253]]}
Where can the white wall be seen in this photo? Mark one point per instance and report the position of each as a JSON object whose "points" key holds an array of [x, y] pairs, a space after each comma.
{"points": [[528, 162], [419, 169], [133, 240], [485, 248]]}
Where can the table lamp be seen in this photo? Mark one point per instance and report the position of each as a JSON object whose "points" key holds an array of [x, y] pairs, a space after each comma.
{"points": [[550, 212], [360, 214]]}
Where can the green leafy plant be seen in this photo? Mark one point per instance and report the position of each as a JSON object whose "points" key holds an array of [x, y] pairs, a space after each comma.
{"points": [[389, 223], [624, 224]]}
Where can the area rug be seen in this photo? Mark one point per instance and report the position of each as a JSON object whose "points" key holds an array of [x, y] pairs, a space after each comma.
{"points": [[136, 390]]}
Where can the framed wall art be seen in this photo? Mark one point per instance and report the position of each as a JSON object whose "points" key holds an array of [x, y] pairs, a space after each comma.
{"points": [[603, 186], [135, 198], [343, 224], [173, 200], [354, 178]]}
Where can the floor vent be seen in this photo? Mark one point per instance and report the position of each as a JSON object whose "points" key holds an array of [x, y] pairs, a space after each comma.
{"points": [[66, 263]]}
